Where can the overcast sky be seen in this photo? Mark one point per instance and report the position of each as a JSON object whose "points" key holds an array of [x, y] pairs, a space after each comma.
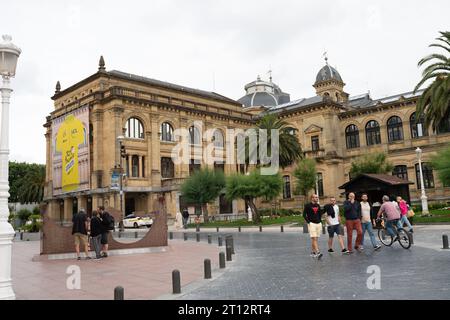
{"points": [[375, 45]]}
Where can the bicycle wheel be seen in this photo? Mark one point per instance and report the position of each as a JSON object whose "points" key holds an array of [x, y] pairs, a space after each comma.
{"points": [[385, 238], [404, 238]]}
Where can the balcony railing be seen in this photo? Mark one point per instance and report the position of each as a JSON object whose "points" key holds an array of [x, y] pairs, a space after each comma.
{"points": [[316, 154], [171, 182]]}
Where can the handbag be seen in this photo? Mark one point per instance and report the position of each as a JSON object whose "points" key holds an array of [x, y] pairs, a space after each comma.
{"points": [[410, 213]]}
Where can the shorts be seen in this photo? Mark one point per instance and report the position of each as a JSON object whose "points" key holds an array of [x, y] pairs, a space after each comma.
{"points": [[79, 237], [314, 229], [335, 229], [104, 239]]}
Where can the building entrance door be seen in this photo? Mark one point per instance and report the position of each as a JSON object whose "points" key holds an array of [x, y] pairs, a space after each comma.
{"points": [[130, 206]]}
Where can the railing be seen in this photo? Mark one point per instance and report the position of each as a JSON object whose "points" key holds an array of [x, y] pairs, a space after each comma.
{"points": [[220, 217], [315, 153], [170, 182]]}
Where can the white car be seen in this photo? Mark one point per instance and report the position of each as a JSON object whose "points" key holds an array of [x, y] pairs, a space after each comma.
{"points": [[132, 221]]}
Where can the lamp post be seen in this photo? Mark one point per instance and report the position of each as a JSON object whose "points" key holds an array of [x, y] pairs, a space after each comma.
{"points": [[423, 197], [9, 54], [122, 155]]}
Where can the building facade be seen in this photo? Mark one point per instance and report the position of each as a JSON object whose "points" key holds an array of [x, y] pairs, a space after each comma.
{"points": [[333, 128]]}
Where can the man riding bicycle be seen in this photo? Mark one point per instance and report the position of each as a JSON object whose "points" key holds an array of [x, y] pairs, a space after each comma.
{"points": [[392, 215]]}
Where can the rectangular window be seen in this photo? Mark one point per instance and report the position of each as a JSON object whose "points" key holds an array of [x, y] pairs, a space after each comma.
{"points": [[401, 172], [143, 167], [427, 172], [319, 185], [194, 165], [315, 143], [286, 187], [219, 165]]}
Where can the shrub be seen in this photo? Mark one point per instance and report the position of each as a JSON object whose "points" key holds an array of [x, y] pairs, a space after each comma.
{"points": [[35, 223], [24, 214]]}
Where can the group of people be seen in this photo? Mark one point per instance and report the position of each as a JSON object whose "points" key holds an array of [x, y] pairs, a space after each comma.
{"points": [[358, 216], [96, 228], [182, 219]]}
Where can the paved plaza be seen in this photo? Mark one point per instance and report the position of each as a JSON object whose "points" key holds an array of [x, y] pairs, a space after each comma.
{"points": [[267, 265]]}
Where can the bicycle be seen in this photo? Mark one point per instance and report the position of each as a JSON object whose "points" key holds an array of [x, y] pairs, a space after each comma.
{"points": [[402, 236]]}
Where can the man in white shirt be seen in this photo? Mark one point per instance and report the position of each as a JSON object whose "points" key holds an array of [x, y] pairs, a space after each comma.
{"points": [[334, 225], [366, 222]]}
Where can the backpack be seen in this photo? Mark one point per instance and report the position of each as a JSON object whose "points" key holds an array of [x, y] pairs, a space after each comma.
{"points": [[109, 219]]}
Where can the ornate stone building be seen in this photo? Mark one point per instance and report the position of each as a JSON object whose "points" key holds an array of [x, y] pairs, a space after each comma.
{"points": [[333, 127]]}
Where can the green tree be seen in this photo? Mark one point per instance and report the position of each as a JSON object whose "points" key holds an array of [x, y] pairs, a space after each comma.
{"points": [[203, 187], [441, 163], [23, 215], [17, 170], [32, 185], [252, 186], [289, 147], [434, 103], [306, 175], [370, 163]]}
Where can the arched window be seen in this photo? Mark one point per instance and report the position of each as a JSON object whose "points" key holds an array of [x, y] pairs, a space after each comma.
{"points": [[319, 184], [286, 187], [326, 95], [166, 132], [194, 135], [167, 168], [218, 139], [352, 136], [401, 172], [395, 129], [373, 133], [135, 166], [338, 98], [134, 129], [444, 126], [417, 126]]}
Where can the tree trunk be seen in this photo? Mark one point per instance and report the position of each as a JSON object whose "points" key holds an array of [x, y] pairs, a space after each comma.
{"points": [[205, 213], [255, 212]]}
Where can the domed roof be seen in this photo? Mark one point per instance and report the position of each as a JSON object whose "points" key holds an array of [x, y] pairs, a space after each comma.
{"points": [[263, 93], [328, 73]]}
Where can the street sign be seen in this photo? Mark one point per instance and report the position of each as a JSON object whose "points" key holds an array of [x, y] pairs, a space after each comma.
{"points": [[115, 181]]}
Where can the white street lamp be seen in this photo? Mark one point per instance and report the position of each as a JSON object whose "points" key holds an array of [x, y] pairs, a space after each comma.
{"points": [[122, 155], [422, 187], [9, 54]]}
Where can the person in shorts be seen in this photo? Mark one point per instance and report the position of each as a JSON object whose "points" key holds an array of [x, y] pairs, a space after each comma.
{"points": [[105, 218], [334, 225], [312, 215], [80, 227]]}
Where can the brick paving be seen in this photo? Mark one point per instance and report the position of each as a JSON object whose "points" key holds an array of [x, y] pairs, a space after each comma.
{"points": [[143, 276]]}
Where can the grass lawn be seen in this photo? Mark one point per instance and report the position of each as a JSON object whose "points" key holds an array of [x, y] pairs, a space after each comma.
{"points": [[438, 215], [244, 223]]}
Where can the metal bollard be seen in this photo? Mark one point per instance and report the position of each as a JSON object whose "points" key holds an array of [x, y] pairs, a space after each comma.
{"points": [[260, 228], [305, 228], [197, 235], [239, 228], [207, 268], [282, 228], [135, 234], [176, 283], [221, 260], [228, 253], [197, 228], [185, 236], [209, 239], [118, 293], [120, 234], [445, 241], [171, 235], [323, 229], [217, 229], [21, 235], [219, 239], [411, 237]]}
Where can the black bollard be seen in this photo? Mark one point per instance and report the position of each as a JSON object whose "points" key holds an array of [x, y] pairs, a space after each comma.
{"points": [[118, 293], [231, 241], [176, 283], [209, 239], [260, 228], [207, 268], [217, 229], [21, 235], [185, 236], [239, 228], [305, 228], [120, 234], [282, 228], [323, 229], [221, 260], [197, 235], [171, 235], [445, 241], [135, 234], [197, 228], [228, 253], [411, 237], [219, 239]]}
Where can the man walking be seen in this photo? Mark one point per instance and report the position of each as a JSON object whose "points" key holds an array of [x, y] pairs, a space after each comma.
{"points": [[366, 222], [96, 234], [334, 225], [185, 215], [352, 213], [80, 229], [107, 220], [312, 216]]}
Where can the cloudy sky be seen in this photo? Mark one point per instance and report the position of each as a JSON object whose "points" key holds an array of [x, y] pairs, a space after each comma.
{"points": [[213, 45]]}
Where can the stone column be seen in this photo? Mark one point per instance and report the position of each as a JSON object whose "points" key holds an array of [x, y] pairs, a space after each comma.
{"points": [[82, 202], [68, 210], [130, 167], [140, 167]]}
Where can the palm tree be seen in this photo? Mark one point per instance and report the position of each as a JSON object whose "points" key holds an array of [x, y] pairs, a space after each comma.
{"points": [[289, 147], [32, 185], [434, 103]]}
